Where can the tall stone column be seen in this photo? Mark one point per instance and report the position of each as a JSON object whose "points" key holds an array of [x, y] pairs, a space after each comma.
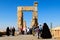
{"points": [[24, 25], [20, 17], [35, 15]]}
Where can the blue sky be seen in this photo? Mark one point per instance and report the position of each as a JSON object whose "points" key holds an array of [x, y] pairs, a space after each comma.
{"points": [[48, 11]]}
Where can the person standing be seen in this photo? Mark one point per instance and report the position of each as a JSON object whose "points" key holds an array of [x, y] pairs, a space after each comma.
{"points": [[10, 30], [28, 30], [13, 31], [7, 31], [37, 30], [33, 31], [46, 31]]}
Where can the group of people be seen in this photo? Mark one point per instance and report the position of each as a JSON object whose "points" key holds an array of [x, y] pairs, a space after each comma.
{"points": [[44, 32], [10, 31], [22, 31], [36, 31]]}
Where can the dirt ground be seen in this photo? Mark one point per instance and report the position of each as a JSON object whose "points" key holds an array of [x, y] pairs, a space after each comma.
{"points": [[24, 37]]}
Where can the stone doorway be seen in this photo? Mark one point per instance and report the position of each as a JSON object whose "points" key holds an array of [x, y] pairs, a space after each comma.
{"points": [[21, 23]]}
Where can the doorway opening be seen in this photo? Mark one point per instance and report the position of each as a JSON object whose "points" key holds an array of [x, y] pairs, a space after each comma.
{"points": [[27, 16]]}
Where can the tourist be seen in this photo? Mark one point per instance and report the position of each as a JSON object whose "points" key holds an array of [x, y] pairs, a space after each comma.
{"points": [[20, 30], [25, 31], [13, 31], [37, 30], [7, 31], [10, 30], [46, 32], [28, 30], [40, 29], [33, 30]]}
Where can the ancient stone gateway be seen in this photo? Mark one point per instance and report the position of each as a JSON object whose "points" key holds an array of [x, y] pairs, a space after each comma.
{"points": [[20, 10]]}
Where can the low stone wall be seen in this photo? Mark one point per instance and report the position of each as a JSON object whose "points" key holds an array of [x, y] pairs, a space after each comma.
{"points": [[55, 33]]}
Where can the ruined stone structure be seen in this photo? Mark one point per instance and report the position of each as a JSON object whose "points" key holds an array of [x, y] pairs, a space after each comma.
{"points": [[24, 25], [34, 10]]}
